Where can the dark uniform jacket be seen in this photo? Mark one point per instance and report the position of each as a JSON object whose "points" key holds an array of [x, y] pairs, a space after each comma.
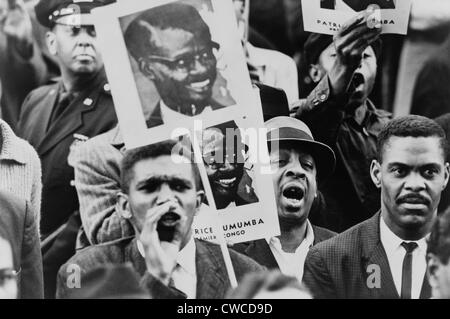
{"points": [[18, 226], [212, 277], [350, 195], [89, 114], [339, 268]]}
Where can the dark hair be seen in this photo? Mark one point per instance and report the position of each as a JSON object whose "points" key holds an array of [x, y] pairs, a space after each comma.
{"points": [[411, 126], [439, 241], [175, 15], [165, 148]]}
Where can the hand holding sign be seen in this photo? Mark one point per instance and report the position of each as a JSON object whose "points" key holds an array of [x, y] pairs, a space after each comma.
{"points": [[350, 43]]}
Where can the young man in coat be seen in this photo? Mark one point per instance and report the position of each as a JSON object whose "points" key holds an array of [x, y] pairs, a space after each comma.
{"points": [[385, 256], [160, 196], [79, 103]]}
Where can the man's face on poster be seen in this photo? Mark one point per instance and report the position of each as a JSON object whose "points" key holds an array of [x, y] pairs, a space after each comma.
{"points": [[183, 67], [224, 165]]}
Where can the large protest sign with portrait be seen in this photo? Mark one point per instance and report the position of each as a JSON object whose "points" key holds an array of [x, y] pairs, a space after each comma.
{"points": [[172, 62], [177, 68], [328, 16]]}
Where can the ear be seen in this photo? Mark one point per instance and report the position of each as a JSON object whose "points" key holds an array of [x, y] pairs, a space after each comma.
{"points": [[315, 73], [446, 175], [123, 206], [146, 69], [433, 266], [375, 173], [200, 198], [50, 40]]}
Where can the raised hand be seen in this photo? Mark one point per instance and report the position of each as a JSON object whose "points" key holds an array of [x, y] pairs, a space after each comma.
{"points": [[350, 43]]}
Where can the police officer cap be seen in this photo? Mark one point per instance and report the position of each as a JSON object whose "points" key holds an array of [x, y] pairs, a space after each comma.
{"points": [[49, 11]]}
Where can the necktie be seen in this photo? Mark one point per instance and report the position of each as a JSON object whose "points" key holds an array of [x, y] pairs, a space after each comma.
{"points": [[407, 269]]}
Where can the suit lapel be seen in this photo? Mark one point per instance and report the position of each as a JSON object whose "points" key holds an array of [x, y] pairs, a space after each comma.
{"points": [[68, 123], [259, 251], [212, 278], [374, 254]]}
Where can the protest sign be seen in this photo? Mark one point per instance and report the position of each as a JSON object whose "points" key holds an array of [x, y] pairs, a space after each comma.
{"points": [[189, 56], [235, 158], [171, 62], [328, 16]]}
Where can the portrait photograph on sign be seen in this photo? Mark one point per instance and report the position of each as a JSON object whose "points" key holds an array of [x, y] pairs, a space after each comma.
{"points": [[328, 16], [171, 63], [242, 192], [226, 161]]}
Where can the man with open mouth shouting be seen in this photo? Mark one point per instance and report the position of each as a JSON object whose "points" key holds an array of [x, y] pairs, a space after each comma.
{"points": [[340, 114], [160, 197], [224, 157], [173, 48], [297, 162]]}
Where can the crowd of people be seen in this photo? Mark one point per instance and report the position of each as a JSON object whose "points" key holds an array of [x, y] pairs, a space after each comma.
{"points": [[359, 173]]}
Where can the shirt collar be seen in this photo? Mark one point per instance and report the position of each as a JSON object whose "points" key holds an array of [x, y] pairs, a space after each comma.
{"points": [[12, 147], [169, 115], [391, 242], [185, 257], [308, 241]]}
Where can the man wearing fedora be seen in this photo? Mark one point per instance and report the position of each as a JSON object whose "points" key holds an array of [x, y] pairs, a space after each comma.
{"points": [[298, 163], [78, 103]]}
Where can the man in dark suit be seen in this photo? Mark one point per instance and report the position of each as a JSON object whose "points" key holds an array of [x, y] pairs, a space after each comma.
{"points": [[385, 256], [173, 47], [18, 227], [356, 5], [160, 196], [297, 160], [79, 103]]}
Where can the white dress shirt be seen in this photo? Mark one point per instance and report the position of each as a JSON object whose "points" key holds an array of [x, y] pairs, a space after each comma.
{"points": [[170, 116], [184, 277], [292, 264], [396, 253]]}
